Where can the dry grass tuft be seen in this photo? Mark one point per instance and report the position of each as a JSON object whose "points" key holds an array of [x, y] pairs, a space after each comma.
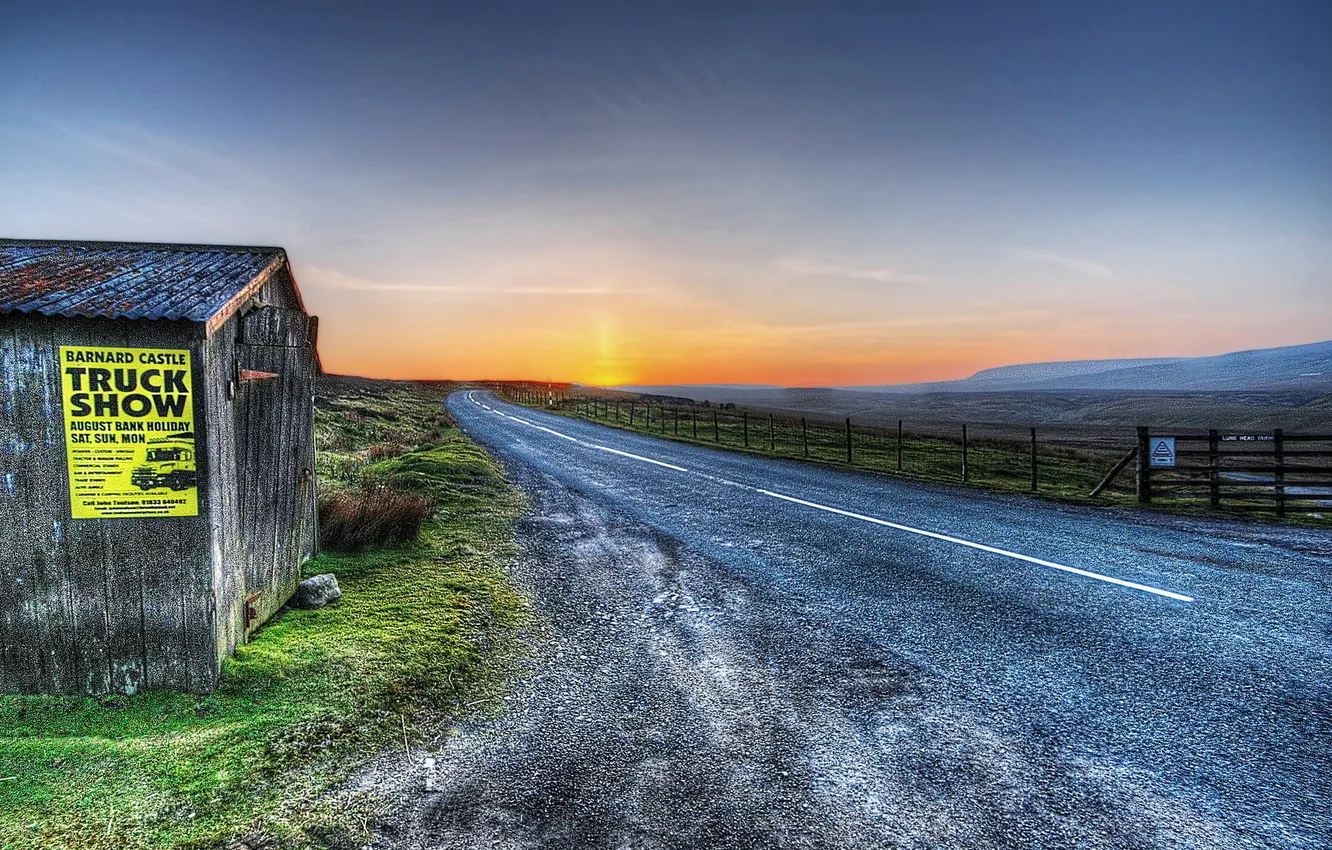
{"points": [[384, 451], [378, 515]]}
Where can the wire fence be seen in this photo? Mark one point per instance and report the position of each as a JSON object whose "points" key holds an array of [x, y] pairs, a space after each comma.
{"points": [[1066, 461], [999, 456]]}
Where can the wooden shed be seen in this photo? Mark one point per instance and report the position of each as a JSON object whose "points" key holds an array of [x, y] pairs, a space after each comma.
{"points": [[156, 459]]}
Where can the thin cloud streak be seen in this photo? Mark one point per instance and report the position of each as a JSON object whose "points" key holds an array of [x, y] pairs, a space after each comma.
{"points": [[814, 268], [1090, 268], [334, 279]]}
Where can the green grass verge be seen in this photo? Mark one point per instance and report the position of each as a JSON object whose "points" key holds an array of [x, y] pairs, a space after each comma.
{"points": [[422, 630]]}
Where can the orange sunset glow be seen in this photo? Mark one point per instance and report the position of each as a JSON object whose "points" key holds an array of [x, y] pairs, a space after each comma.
{"points": [[649, 331]]}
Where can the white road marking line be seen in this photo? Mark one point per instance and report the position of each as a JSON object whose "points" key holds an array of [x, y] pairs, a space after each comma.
{"points": [[635, 457], [981, 546], [556, 433], [862, 517]]}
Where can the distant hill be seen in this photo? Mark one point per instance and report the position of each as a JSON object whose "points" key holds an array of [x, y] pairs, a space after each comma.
{"points": [[1057, 371], [695, 388], [1290, 367], [1287, 387]]}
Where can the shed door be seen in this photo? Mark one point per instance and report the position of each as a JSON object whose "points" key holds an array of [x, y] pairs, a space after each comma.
{"points": [[274, 454]]}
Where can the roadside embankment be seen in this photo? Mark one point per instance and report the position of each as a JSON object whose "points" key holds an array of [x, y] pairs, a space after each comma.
{"points": [[421, 633]]}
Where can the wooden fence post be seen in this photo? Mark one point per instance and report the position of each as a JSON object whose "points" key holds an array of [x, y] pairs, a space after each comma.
{"points": [[716, 429], [772, 436], [1213, 469], [848, 439], [1144, 467], [677, 421], [899, 445], [1278, 470], [1033, 460], [804, 435], [966, 473], [693, 417], [744, 424]]}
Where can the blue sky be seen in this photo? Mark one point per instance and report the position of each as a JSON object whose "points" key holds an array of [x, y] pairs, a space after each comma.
{"points": [[787, 193]]}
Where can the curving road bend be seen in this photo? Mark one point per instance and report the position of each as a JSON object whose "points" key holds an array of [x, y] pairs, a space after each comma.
{"points": [[748, 653]]}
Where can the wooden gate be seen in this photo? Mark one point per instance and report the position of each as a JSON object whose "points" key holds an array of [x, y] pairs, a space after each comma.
{"points": [[274, 455], [1277, 472]]}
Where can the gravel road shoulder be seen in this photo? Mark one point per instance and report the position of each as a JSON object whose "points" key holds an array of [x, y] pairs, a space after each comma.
{"points": [[673, 702]]}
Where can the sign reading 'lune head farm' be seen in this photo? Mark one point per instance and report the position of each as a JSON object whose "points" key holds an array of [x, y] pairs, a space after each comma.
{"points": [[129, 432]]}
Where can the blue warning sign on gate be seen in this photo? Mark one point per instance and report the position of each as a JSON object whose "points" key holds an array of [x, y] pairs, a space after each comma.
{"points": [[1162, 451]]}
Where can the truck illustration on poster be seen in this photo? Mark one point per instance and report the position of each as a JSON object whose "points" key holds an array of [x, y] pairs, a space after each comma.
{"points": [[129, 432]]}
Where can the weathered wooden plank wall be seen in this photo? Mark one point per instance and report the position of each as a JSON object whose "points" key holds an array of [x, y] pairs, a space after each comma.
{"points": [[275, 451], [93, 605], [228, 580]]}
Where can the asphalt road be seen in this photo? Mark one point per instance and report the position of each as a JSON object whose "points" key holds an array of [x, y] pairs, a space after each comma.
{"points": [[742, 652]]}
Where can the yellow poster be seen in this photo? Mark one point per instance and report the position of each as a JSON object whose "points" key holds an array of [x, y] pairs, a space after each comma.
{"points": [[129, 432]]}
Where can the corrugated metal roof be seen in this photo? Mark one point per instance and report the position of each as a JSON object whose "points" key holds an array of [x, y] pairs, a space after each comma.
{"points": [[126, 280]]}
